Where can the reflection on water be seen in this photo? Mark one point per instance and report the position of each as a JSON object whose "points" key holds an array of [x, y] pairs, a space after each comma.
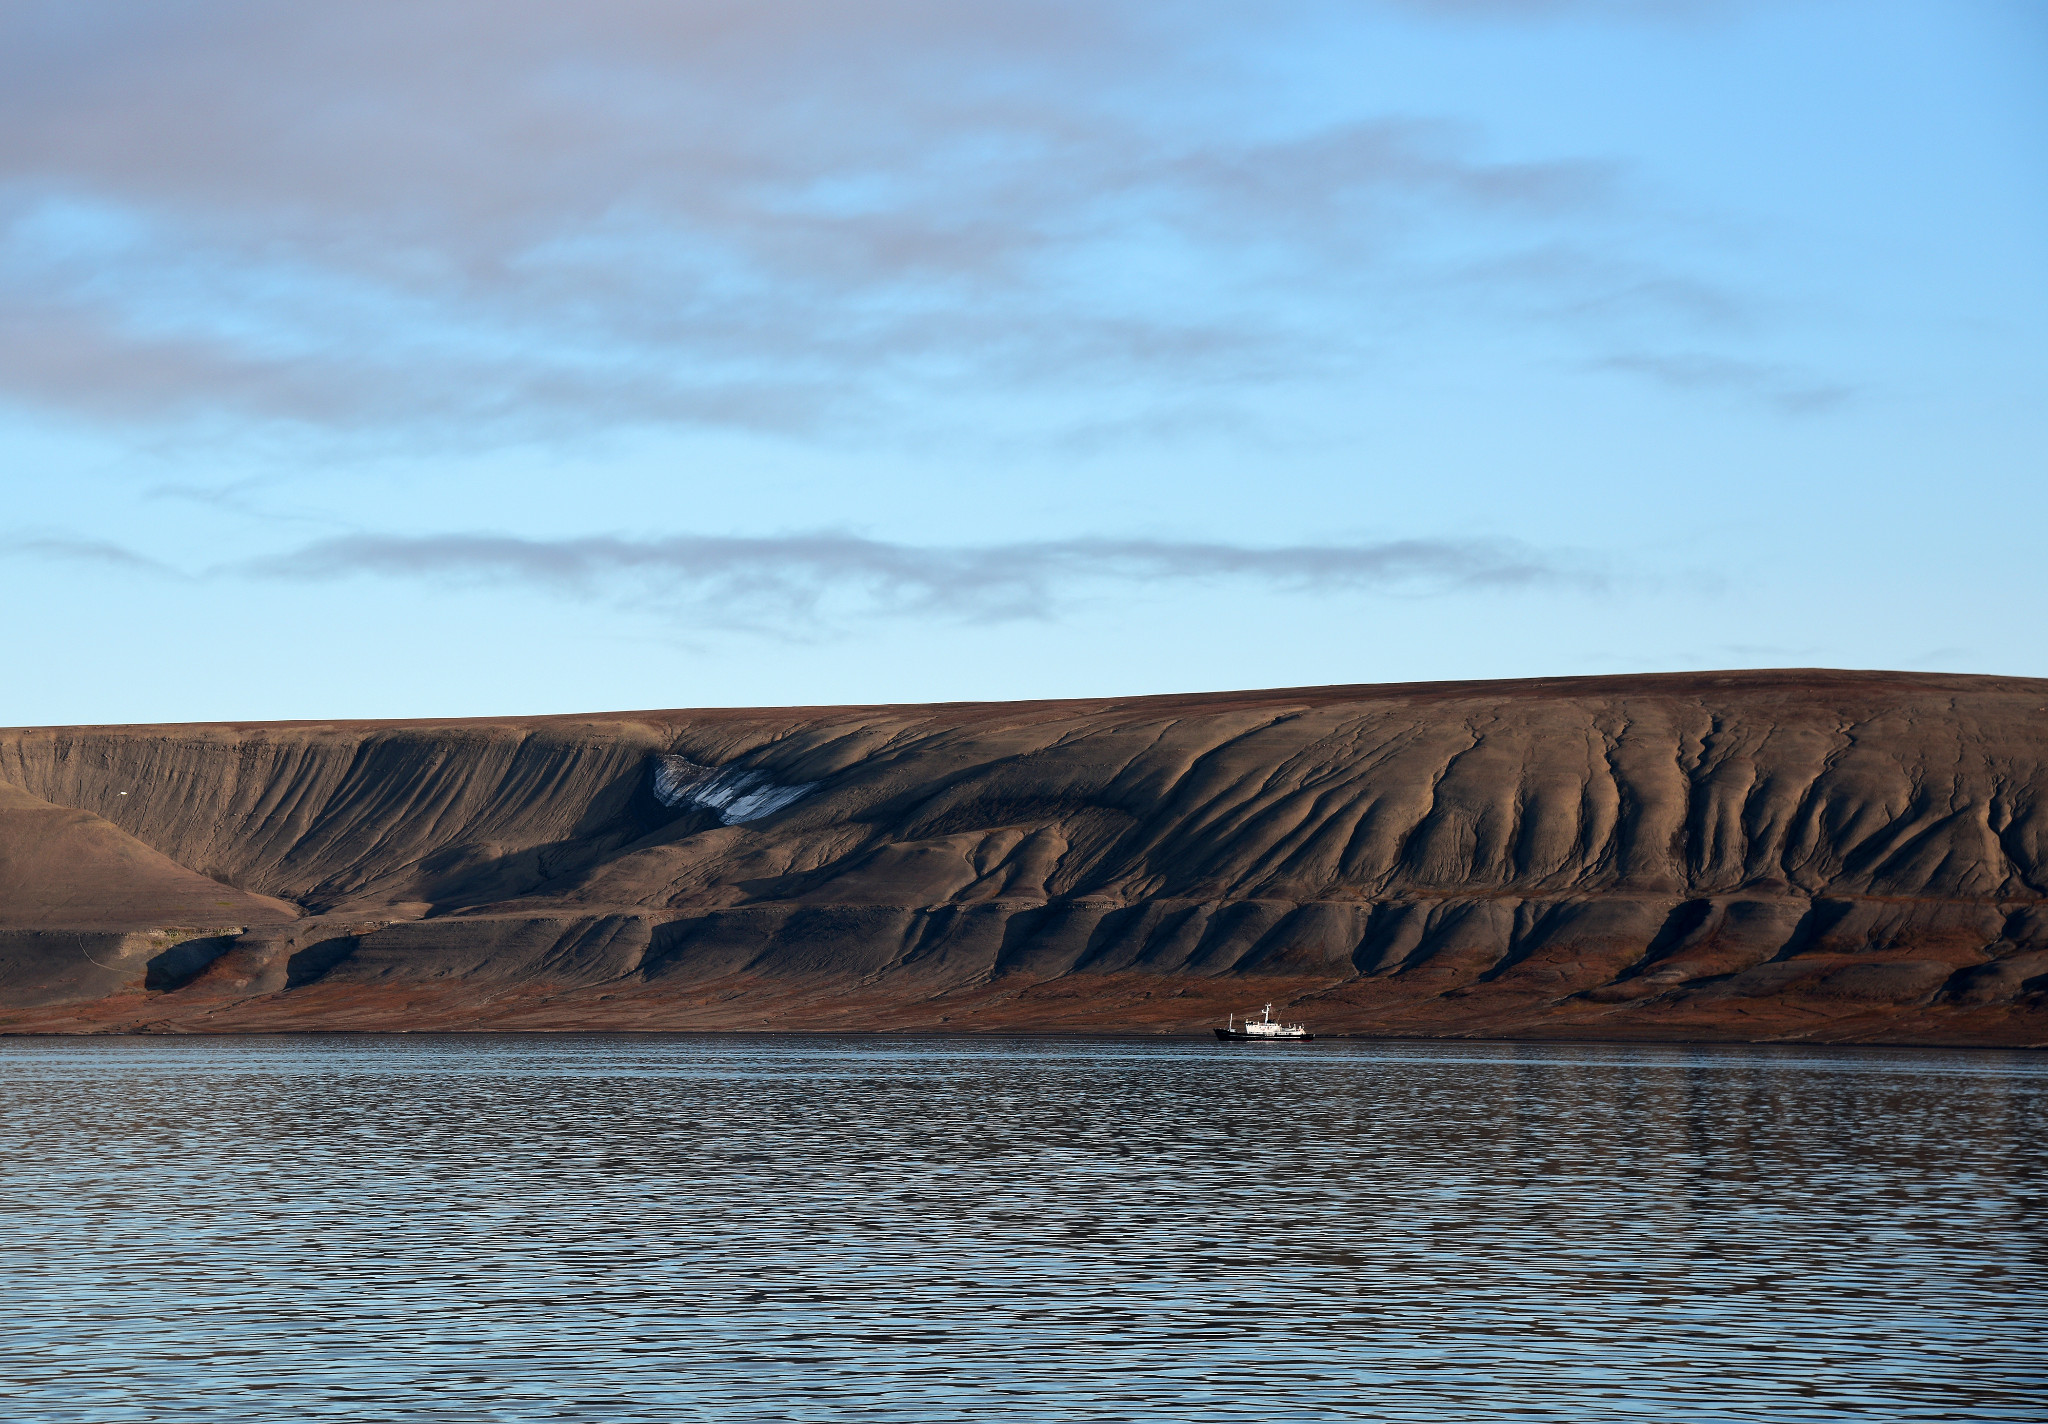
{"points": [[707, 1228]]}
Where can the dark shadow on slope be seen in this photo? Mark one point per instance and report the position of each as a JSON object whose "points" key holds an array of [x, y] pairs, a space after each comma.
{"points": [[185, 961], [1677, 930], [624, 816], [316, 959]]}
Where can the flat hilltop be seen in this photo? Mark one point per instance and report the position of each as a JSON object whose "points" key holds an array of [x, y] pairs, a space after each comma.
{"points": [[1780, 855]]}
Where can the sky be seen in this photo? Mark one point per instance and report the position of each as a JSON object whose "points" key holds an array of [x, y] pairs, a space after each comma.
{"points": [[416, 358]]}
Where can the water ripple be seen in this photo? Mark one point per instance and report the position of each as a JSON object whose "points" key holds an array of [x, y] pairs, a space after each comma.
{"points": [[659, 1228]]}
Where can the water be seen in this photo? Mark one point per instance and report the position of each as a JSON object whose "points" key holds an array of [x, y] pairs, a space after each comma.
{"points": [[683, 1228]]}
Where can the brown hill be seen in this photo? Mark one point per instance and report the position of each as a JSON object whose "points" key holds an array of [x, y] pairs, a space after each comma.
{"points": [[1842, 856], [86, 909]]}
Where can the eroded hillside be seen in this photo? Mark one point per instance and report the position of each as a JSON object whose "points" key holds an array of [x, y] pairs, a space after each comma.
{"points": [[1853, 856]]}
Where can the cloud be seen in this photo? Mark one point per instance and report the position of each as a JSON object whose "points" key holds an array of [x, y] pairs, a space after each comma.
{"points": [[84, 551], [1573, 9], [504, 219], [798, 579], [1784, 387], [788, 583]]}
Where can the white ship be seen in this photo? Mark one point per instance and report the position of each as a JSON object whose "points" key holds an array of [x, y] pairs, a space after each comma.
{"points": [[1262, 1027]]}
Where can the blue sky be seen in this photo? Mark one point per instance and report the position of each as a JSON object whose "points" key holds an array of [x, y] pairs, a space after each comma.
{"points": [[451, 358]]}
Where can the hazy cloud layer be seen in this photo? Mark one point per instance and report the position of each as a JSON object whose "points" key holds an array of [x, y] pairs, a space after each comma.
{"points": [[794, 580], [515, 216]]}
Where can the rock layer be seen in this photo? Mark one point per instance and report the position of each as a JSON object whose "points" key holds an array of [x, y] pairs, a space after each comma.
{"points": [[1831, 855]]}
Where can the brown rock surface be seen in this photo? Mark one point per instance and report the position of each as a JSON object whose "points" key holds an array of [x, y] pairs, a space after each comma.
{"points": [[1835, 856]]}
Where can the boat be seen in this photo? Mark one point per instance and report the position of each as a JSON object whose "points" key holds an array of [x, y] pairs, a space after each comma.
{"points": [[1261, 1028]]}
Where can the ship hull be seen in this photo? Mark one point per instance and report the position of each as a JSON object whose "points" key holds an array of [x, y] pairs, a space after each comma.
{"points": [[1229, 1035]]}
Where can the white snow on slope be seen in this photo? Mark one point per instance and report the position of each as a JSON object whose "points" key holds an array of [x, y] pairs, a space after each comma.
{"points": [[734, 794]]}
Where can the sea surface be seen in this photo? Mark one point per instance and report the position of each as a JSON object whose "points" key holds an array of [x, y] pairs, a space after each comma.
{"points": [[687, 1227]]}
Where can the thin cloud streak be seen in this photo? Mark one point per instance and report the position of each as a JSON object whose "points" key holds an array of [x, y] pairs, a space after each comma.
{"points": [[66, 549], [1791, 391], [799, 579], [1525, 10]]}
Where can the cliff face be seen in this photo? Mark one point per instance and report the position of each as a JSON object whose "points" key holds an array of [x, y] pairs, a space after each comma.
{"points": [[1842, 856]]}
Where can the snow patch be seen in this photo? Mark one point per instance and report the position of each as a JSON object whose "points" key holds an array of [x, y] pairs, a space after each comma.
{"points": [[734, 794]]}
